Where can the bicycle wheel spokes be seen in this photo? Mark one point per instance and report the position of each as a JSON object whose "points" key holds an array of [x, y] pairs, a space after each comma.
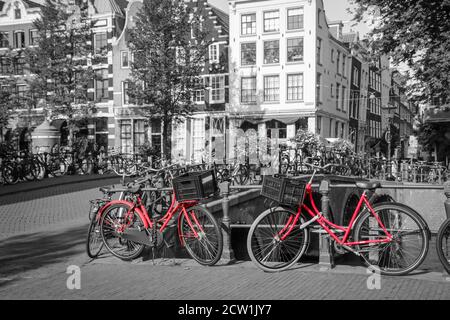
{"points": [[94, 240], [408, 245], [114, 221], [202, 236], [275, 241], [443, 245]]}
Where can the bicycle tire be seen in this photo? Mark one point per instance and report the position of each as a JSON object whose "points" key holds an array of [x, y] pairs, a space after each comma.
{"points": [[10, 174], [271, 223], [443, 249], [212, 251], [94, 234], [392, 251], [108, 232]]}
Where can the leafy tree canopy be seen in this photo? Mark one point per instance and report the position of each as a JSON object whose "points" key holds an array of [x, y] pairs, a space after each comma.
{"points": [[416, 33], [169, 47]]}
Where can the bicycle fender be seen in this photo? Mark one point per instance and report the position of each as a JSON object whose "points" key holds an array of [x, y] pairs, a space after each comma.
{"points": [[123, 202]]}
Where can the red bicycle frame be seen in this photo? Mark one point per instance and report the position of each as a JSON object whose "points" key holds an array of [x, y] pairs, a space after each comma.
{"points": [[328, 225], [173, 209]]}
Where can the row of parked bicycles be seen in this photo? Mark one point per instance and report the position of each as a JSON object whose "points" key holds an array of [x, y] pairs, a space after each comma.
{"points": [[348, 164], [390, 237], [44, 162]]}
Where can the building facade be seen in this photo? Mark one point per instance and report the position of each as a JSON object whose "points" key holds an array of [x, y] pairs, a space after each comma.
{"points": [[202, 134], [17, 33], [287, 71]]}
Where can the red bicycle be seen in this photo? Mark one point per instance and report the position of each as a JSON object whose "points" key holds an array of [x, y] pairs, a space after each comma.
{"points": [[127, 227], [390, 237]]}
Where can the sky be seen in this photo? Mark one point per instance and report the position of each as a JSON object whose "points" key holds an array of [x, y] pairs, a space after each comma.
{"points": [[335, 10]]}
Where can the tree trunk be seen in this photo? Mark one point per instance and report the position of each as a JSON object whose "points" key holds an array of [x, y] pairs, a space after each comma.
{"points": [[167, 139]]}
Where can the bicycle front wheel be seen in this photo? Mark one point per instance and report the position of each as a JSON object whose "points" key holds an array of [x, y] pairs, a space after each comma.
{"points": [[275, 241], [205, 247], [443, 245], [408, 247]]}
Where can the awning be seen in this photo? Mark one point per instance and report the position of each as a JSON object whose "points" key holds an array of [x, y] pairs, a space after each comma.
{"points": [[286, 119], [58, 123]]}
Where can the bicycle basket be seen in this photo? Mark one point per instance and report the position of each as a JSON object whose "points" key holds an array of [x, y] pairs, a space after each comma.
{"points": [[284, 190], [195, 185]]}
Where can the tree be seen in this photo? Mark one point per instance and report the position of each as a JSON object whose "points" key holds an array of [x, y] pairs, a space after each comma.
{"points": [[60, 61], [9, 98], [416, 33], [167, 62]]}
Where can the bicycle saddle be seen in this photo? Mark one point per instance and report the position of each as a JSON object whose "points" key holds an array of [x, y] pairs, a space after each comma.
{"points": [[371, 185]]}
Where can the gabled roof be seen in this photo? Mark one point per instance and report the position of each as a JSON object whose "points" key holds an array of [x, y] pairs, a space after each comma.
{"points": [[222, 17]]}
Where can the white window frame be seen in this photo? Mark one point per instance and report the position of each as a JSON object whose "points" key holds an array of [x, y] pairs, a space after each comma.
{"points": [[221, 89], [214, 58], [127, 52]]}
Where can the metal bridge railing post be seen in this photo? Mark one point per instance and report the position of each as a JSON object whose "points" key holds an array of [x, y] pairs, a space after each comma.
{"points": [[228, 253]]}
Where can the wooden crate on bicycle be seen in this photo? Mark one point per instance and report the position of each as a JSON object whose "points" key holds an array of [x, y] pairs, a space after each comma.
{"points": [[195, 185], [284, 190]]}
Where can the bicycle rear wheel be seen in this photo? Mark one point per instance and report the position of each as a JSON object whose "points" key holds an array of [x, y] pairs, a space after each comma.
{"points": [[94, 242], [443, 245], [207, 247], [410, 239], [113, 222], [264, 244]]}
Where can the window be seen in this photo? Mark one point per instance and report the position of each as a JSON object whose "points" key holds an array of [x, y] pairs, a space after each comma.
{"points": [[156, 135], [102, 85], [271, 52], [355, 76], [332, 55], [21, 91], [276, 129], [248, 54], [125, 59], [248, 90], [344, 72], [295, 87], [100, 42], [5, 65], [18, 14], [18, 66], [319, 51], [198, 139], [336, 129], [139, 134], [179, 140], [271, 21], [344, 107], [342, 130], [295, 49], [126, 98], [4, 39], [318, 88], [19, 39], [338, 88], [338, 60], [125, 136], [295, 19], [217, 89], [214, 53], [271, 88], [248, 24], [332, 91], [199, 92], [34, 37]]}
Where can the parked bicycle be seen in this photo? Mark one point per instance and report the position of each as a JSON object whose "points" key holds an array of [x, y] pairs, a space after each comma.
{"points": [[128, 226], [389, 237]]}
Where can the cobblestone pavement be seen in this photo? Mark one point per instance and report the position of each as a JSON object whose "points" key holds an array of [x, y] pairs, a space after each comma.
{"points": [[34, 259]]}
